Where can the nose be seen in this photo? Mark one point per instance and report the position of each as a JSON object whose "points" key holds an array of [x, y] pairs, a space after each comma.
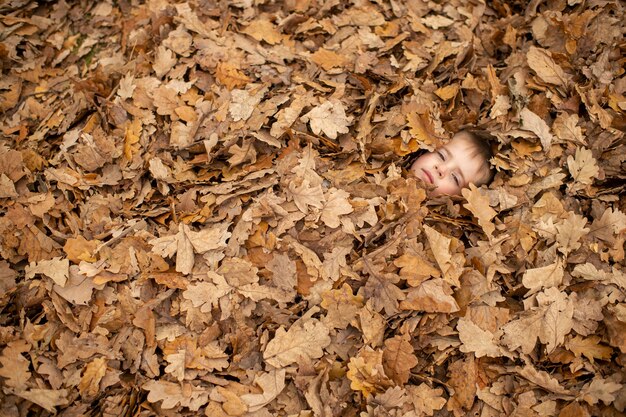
{"points": [[441, 170]]}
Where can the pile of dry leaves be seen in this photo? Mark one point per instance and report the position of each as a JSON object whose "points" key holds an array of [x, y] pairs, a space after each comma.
{"points": [[205, 209]]}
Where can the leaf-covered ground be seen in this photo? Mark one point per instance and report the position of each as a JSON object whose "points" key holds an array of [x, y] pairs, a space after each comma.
{"points": [[206, 210]]}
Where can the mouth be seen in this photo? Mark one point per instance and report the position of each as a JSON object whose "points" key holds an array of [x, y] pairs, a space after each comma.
{"points": [[428, 175]]}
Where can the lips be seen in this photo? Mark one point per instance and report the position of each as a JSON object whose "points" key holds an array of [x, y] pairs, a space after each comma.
{"points": [[428, 175]]}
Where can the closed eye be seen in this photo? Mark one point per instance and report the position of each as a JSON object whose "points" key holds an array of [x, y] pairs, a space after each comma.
{"points": [[456, 179], [441, 155]]}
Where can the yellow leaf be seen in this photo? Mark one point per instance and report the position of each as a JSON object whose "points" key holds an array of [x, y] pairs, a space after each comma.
{"points": [[133, 133], [328, 59], [89, 384], [366, 372], [230, 76]]}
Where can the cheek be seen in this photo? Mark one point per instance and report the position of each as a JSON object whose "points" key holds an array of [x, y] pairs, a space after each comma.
{"points": [[448, 187]]}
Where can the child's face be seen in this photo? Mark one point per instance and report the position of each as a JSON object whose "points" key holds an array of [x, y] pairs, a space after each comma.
{"points": [[452, 167]]}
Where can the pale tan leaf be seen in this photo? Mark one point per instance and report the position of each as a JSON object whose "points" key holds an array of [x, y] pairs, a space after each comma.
{"points": [[15, 367], [206, 295], [523, 332], [185, 257], [47, 399], [303, 339], [366, 372], [127, 86], [557, 322], [569, 233], [599, 389], [263, 30], [478, 204], [335, 206], [176, 366], [426, 400], [329, 117], [530, 121], [547, 276], [57, 269], [212, 237], [164, 61], [441, 248], [432, 296], [582, 166], [172, 394], [304, 196], [477, 340], [566, 127], [243, 103], [542, 379], [540, 60], [272, 383]]}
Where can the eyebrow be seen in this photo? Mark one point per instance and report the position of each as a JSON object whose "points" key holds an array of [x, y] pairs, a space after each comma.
{"points": [[449, 155]]}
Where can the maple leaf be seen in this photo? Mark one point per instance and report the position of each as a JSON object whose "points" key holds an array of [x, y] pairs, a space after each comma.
{"points": [[329, 117], [398, 359], [306, 339]]}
